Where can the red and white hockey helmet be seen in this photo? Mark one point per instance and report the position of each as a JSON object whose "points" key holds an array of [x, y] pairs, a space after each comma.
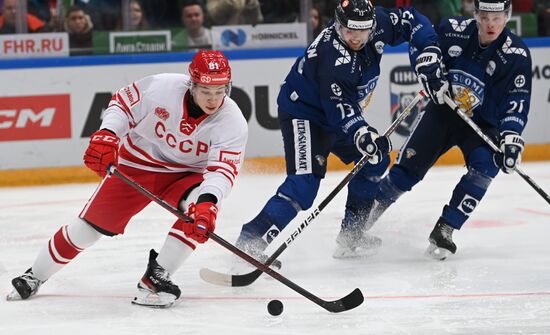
{"points": [[210, 67]]}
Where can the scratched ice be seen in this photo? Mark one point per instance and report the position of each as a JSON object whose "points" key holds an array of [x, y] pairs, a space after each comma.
{"points": [[497, 283]]}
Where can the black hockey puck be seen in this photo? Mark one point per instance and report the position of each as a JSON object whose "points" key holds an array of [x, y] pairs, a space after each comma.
{"points": [[275, 307]]}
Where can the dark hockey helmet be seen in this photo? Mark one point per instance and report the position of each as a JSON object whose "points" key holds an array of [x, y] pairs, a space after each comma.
{"points": [[210, 67], [356, 14], [493, 5]]}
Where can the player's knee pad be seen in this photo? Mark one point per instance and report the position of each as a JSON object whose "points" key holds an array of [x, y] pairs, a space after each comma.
{"points": [[466, 196], [295, 194], [81, 234], [481, 160], [300, 190], [402, 179], [364, 186]]}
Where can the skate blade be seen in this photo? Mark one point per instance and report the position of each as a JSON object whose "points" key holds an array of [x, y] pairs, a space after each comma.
{"points": [[437, 253], [149, 299], [13, 296]]}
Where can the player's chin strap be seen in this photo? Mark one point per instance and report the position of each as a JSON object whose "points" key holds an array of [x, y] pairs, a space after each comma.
{"points": [[450, 102]]}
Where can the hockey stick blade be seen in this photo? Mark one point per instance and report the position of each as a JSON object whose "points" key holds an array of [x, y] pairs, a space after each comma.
{"points": [[246, 279], [224, 279], [239, 280], [350, 301]]}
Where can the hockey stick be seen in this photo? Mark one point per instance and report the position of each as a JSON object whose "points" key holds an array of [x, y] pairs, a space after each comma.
{"points": [[245, 279], [450, 102], [350, 301]]}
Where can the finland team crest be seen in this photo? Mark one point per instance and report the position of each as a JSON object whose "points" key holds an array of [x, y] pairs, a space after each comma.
{"points": [[365, 92], [468, 91]]}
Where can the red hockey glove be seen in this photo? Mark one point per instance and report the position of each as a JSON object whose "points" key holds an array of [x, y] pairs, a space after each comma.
{"points": [[205, 215], [102, 151]]}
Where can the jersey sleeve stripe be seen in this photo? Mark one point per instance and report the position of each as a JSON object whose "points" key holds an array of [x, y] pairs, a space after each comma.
{"points": [[125, 107], [224, 172]]}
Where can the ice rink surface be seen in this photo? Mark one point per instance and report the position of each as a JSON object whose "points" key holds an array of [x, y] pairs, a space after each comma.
{"points": [[497, 283]]}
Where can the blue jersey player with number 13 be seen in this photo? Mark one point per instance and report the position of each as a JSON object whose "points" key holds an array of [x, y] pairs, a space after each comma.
{"points": [[321, 107]]}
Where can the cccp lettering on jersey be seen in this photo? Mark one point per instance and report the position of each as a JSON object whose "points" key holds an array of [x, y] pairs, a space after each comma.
{"points": [[185, 146]]}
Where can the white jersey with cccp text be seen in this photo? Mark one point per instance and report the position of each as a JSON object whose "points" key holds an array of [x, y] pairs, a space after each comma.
{"points": [[150, 116]]}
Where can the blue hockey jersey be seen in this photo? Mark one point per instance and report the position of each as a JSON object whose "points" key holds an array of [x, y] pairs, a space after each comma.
{"points": [[494, 83], [332, 84]]}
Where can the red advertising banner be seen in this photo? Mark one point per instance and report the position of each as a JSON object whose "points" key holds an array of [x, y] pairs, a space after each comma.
{"points": [[35, 117]]}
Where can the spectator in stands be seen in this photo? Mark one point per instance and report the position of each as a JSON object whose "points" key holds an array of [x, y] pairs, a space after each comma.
{"points": [[46, 10], [40, 9], [542, 8], [138, 21], [192, 18], [79, 26], [522, 6], [451, 7], [280, 11], [9, 15], [232, 12], [104, 14], [468, 8], [137, 18], [316, 20]]}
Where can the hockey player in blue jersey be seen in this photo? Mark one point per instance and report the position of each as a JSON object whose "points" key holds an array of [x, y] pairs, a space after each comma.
{"points": [[489, 69], [320, 111]]}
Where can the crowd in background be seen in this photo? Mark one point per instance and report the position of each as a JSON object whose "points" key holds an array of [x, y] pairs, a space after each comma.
{"points": [[81, 17]]}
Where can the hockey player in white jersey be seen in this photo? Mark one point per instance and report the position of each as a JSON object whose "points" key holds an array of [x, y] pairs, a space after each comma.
{"points": [[182, 138]]}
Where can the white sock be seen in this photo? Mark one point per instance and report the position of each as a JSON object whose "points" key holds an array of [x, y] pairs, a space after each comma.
{"points": [[175, 250], [63, 247]]}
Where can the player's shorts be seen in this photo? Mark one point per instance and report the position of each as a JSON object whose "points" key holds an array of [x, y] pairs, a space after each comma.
{"points": [[307, 146], [437, 130], [114, 202]]}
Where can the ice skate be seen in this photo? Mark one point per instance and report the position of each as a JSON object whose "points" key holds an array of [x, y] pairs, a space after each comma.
{"points": [[25, 286], [356, 244], [441, 241], [254, 246], [155, 288], [353, 241]]}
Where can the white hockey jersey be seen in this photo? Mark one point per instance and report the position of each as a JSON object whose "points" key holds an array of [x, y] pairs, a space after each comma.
{"points": [[150, 116]]}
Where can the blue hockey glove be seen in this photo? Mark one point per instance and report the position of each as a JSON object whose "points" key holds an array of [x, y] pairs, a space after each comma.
{"points": [[369, 143], [430, 74], [511, 145]]}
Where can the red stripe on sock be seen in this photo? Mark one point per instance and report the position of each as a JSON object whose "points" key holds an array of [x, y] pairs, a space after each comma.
{"points": [[64, 248], [52, 255], [183, 240]]}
